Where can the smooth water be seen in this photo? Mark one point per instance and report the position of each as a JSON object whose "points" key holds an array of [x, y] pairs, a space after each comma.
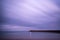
{"points": [[26, 34]]}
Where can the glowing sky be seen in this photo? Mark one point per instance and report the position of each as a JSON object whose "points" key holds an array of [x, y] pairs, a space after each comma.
{"points": [[43, 14]]}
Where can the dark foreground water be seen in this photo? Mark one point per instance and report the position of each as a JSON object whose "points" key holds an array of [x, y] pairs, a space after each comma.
{"points": [[25, 35]]}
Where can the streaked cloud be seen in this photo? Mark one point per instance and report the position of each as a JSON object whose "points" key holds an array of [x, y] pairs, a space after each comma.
{"points": [[16, 28], [35, 12]]}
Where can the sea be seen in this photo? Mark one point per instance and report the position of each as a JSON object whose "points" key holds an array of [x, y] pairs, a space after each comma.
{"points": [[26, 35]]}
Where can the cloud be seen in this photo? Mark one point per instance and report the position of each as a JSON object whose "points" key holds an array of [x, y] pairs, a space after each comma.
{"points": [[16, 28], [26, 13]]}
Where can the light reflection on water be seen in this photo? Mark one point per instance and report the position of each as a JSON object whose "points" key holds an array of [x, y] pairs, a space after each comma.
{"points": [[25, 34]]}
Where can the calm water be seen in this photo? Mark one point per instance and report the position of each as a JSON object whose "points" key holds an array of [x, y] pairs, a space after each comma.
{"points": [[28, 35]]}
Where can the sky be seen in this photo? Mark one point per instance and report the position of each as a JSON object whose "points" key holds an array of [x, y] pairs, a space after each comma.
{"points": [[30, 14]]}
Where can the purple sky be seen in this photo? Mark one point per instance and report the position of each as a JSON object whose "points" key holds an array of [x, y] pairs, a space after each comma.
{"points": [[33, 14]]}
